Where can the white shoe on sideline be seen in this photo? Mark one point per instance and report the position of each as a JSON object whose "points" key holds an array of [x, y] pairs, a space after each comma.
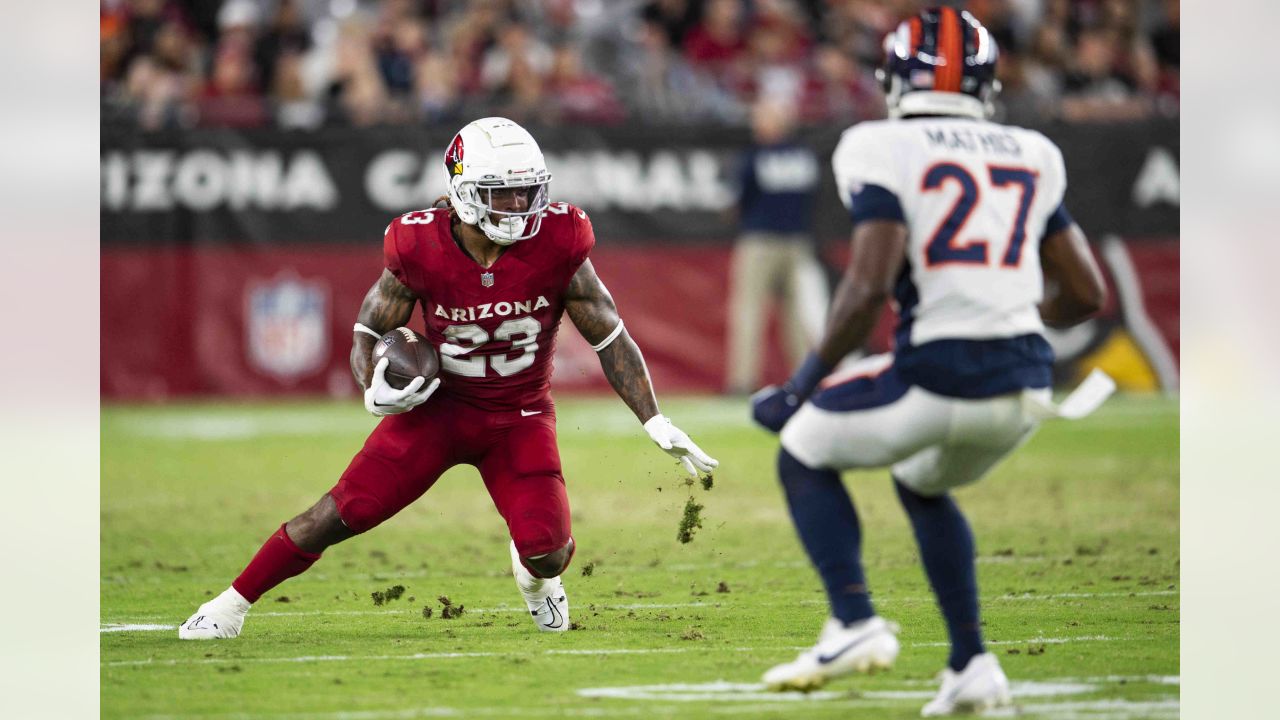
{"points": [[545, 597], [981, 686], [218, 619], [864, 646]]}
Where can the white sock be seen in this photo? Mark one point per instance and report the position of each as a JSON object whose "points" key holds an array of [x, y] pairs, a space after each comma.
{"points": [[527, 583], [525, 580], [232, 599]]}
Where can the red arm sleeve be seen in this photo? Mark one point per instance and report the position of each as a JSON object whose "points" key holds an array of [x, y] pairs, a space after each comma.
{"points": [[583, 241], [391, 252]]}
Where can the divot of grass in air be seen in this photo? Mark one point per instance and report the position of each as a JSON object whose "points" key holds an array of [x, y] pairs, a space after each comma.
{"points": [[690, 521]]}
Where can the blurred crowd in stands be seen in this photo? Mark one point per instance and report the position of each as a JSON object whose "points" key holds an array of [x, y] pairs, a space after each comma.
{"points": [[307, 63]]}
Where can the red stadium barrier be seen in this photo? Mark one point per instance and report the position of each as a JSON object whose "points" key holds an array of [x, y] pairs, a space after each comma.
{"points": [[246, 322]]}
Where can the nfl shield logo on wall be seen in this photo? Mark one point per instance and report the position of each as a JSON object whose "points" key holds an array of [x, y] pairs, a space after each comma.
{"points": [[486, 279], [288, 326]]}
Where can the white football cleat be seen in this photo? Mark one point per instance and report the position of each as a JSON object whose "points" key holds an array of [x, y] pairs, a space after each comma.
{"points": [[545, 597], [864, 646], [981, 686], [218, 619]]}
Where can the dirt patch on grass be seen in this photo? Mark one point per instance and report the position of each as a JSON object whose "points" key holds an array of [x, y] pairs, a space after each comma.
{"points": [[692, 633], [450, 611]]}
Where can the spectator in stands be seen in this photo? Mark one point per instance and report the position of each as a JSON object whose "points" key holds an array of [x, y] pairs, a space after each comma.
{"points": [[436, 88], [405, 44], [469, 34], [777, 75], [163, 82], [1093, 60], [576, 96], [719, 42], [1028, 93], [356, 92], [113, 36], [294, 106], [231, 98], [774, 254], [662, 87], [1096, 87], [1164, 42], [675, 17], [836, 92], [285, 34], [514, 72]]}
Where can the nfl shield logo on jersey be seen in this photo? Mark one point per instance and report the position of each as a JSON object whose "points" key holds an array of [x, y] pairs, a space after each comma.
{"points": [[486, 279], [288, 326]]}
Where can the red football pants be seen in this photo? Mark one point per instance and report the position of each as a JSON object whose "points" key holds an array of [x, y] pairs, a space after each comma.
{"points": [[515, 453]]}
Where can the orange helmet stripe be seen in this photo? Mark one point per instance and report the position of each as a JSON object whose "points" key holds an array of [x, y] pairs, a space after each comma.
{"points": [[951, 49]]}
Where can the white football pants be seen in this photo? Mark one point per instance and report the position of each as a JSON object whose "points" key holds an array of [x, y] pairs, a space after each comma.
{"points": [[931, 442]]}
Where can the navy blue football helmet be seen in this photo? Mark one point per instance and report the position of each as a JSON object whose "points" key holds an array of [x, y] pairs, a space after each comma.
{"points": [[940, 62]]}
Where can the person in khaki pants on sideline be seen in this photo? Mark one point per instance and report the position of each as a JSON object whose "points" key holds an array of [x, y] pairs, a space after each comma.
{"points": [[774, 255]]}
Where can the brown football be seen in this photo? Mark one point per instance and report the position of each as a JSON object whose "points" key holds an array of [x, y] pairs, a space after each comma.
{"points": [[408, 354]]}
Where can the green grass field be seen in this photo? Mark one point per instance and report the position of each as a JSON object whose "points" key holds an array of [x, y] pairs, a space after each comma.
{"points": [[1078, 566]]}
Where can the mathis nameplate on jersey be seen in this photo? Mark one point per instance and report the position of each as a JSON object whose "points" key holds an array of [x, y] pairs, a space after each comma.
{"points": [[408, 354]]}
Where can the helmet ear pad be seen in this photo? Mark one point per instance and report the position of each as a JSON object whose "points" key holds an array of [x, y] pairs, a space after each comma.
{"points": [[465, 200]]}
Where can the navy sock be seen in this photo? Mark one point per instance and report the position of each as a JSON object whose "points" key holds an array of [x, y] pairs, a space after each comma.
{"points": [[828, 526], [946, 548]]}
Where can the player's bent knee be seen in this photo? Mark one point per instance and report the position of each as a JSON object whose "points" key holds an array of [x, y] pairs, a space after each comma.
{"points": [[539, 525], [318, 527], [551, 564], [361, 513]]}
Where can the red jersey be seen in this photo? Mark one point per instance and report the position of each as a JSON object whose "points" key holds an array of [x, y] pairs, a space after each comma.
{"points": [[507, 313]]}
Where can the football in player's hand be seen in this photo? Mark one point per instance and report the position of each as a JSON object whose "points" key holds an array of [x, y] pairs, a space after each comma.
{"points": [[408, 356]]}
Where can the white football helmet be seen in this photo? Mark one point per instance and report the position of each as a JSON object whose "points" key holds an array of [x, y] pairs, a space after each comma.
{"points": [[490, 154]]}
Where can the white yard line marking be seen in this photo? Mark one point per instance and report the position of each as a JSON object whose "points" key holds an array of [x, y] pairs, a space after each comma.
{"points": [[142, 627], [718, 691], [584, 651], [735, 699], [368, 658], [1033, 641], [1079, 595], [139, 624], [1107, 709]]}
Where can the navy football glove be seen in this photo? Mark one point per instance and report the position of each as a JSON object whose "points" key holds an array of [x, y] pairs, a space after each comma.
{"points": [[773, 406]]}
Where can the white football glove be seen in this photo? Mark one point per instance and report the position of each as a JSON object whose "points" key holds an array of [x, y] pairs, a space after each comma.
{"points": [[382, 399], [678, 445]]}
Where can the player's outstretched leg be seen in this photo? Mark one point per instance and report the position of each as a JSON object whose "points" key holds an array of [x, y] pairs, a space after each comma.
{"points": [[544, 593], [288, 552], [973, 679], [854, 639]]}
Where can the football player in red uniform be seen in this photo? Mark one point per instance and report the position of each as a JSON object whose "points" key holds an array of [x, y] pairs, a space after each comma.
{"points": [[493, 273]]}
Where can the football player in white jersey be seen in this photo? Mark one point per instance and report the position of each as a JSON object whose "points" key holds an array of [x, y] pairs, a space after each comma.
{"points": [[960, 221]]}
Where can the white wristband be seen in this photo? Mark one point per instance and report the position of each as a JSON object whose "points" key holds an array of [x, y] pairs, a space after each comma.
{"points": [[612, 336], [367, 330]]}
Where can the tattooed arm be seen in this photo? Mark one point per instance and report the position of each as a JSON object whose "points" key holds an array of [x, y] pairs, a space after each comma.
{"points": [[386, 306], [592, 311]]}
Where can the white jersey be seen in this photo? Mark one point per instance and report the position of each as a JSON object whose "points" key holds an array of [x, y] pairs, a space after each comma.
{"points": [[976, 197]]}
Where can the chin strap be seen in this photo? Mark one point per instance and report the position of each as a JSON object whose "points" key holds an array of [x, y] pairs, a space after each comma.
{"points": [[366, 330], [608, 340]]}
